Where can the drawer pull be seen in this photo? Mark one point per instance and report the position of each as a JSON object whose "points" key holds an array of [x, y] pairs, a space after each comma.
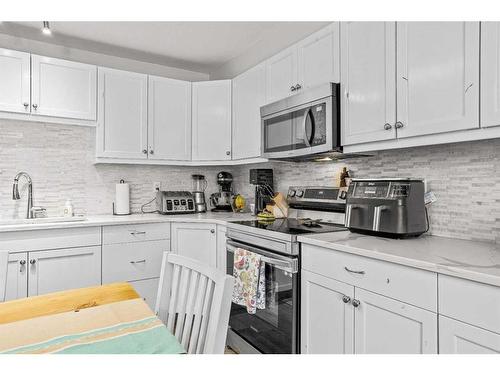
{"points": [[135, 232], [352, 271], [356, 303], [346, 299], [138, 261]]}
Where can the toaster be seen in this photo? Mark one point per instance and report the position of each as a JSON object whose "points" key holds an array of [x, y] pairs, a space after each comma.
{"points": [[175, 202], [386, 207]]}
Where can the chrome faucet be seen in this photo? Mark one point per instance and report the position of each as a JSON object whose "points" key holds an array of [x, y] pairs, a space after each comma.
{"points": [[16, 196]]}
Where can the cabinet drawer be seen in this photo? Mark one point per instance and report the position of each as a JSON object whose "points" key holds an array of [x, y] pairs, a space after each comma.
{"points": [[411, 285], [469, 301], [135, 233], [132, 261], [44, 239], [147, 289]]}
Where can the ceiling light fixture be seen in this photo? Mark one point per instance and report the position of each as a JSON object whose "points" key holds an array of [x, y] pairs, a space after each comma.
{"points": [[46, 28]]}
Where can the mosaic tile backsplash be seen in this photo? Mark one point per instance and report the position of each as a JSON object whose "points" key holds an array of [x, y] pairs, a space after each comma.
{"points": [[465, 176]]}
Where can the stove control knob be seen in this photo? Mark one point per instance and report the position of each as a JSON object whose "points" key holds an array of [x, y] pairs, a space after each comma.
{"points": [[300, 193], [291, 193]]}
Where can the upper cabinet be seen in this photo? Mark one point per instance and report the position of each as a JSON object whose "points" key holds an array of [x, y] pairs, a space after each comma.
{"points": [[15, 81], [211, 120], [437, 77], [122, 128], [249, 94], [63, 88], [368, 81], [490, 74], [312, 61], [169, 119]]}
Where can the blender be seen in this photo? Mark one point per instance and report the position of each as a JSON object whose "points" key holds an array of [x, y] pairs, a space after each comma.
{"points": [[199, 186]]}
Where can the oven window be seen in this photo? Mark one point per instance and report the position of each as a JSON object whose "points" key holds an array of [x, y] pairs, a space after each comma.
{"points": [[271, 330]]}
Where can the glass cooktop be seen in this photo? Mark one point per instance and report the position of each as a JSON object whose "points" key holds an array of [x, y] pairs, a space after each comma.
{"points": [[293, 226]]}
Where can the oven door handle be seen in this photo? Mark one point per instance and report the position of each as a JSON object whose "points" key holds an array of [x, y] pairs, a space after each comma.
{"points": [[282, 263]]}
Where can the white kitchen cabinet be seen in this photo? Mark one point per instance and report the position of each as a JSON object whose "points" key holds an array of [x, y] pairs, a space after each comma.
{"points": [[456, 337], [62, 88], [122, 126], [327, 316], [17, 276], [15, 81], [437, 77], [211, 120], [61, 269], [318, 57], [281, 75], [169, 119], [368, 81], [249, 94], [147, 289], [490, 74], [387, 326], [221, 248], [195, 240]]}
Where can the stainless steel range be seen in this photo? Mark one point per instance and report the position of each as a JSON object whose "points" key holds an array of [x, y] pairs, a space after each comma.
{"points": [[276, 329]]}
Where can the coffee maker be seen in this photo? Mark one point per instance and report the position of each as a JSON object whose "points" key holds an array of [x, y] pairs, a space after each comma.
{"points": [[199, 186], [264, 188], [222, 200]]}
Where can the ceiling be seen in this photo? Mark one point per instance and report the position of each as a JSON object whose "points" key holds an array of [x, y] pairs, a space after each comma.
{"points": [[200, 46]]}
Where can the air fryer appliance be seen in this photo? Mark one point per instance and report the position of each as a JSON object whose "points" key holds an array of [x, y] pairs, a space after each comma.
{"points": [[392, 207], [221, 201], [199, 186], [264, 189]]}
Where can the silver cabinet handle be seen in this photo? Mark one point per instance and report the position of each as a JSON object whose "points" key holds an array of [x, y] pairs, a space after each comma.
{"points": [[135, 232], [387, 126], [298, 86], [212, 231], [138, 261], [398, 125], [32, 261], [293, 88], [468, 87], [346, 299], [228, 153], [353, 271], [35, 106], [22, 262], [144, 151], [356, 303], [151, 152], [26, 105]]}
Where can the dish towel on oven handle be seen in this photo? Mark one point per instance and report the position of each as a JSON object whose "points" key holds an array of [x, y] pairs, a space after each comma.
{"points": [[250, 280]]}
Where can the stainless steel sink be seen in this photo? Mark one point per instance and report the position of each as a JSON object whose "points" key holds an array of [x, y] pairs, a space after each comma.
{"points": [[42, 220]]}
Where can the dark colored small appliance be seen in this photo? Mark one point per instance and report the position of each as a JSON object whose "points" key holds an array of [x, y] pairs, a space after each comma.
{"points": [[222, 200], [392, 207], [264, 187], [174, 202]]}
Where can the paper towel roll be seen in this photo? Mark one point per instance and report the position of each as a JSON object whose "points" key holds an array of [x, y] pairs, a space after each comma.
{"points": [[122, 199]]}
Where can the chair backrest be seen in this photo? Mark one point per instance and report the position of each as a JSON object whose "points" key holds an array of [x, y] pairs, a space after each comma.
{"points": [[4, 259], [194, 302]]}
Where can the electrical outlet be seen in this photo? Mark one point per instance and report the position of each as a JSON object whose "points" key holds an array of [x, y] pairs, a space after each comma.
{"points": [[157, 185]]}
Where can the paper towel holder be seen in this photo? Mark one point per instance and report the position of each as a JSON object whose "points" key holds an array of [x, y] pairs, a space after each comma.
{"points": [[122, 181]]}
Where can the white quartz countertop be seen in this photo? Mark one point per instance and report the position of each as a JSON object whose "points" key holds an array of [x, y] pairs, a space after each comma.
{"points": [[477, 261], [102, 220]]}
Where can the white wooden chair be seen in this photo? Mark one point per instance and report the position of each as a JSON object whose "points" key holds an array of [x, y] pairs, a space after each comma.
{"points": [[194, 302], [4, 258]]}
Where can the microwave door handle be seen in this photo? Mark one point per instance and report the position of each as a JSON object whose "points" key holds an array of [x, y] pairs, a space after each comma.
{"points": [[304, 127], [377, 213]]}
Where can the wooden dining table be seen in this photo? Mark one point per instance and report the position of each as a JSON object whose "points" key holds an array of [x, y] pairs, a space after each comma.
{"points": [[107, 319]]}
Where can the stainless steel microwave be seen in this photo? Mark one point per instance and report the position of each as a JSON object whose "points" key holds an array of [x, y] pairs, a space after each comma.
{"points": [[304, 126]]}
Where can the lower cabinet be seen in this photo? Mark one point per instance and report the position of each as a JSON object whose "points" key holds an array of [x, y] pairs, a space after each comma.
{"points": [[338, 318], [456, 337], [196, 240], [17, 276], [387, 326]]}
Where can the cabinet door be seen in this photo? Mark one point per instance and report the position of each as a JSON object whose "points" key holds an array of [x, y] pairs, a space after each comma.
{"points": [[148, 290], [122, 128], [195, 240], [281, 74], [318, 57], [387, 326], [169, 119], [460, 338], [17, 276], [63, 88], [15, 79], [437, 77], [212, 120], [249, 94], [327, 322], [368, 79], [62, 269], [490, 74]]}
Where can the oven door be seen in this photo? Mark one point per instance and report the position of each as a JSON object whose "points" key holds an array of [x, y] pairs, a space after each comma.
{"points": [[301, 130], [273, 330]]}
